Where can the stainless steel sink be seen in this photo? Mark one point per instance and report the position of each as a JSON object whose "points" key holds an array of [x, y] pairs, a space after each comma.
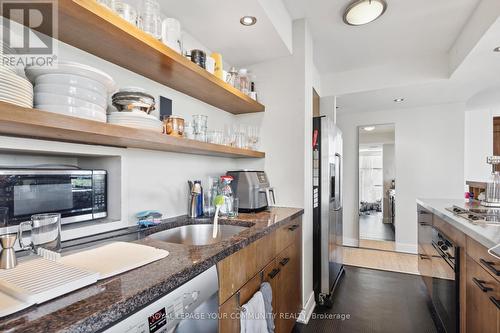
{"points": [[197, 234]]}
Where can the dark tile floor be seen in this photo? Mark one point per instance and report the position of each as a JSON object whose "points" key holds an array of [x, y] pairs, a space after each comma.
{"points": [[377, 302], [372, 227]]}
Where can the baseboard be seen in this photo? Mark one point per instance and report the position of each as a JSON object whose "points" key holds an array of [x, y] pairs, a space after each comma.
{"points": [[406, 248], [346, 241], [308, 309]]}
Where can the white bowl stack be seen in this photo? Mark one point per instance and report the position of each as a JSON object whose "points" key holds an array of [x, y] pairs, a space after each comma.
{"points": [[14, 88], [72, 89]]}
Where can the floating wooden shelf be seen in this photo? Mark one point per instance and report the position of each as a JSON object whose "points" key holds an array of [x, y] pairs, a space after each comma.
{"points": [[32, 123], [91, 27]]}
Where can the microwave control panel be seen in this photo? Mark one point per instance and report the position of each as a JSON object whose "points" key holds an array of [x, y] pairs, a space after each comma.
{"points": [[99, 184]]}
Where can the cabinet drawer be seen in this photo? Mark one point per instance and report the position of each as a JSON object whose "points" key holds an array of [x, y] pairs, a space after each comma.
{"points": [[480, 254], [483, 291], [287, 234]]}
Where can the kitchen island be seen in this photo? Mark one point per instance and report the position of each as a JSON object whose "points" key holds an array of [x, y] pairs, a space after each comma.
{"points": [[461, 276], [99, 306]]}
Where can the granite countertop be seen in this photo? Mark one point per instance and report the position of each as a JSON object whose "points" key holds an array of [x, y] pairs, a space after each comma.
{"points": [[487, 235], [96, 307]]}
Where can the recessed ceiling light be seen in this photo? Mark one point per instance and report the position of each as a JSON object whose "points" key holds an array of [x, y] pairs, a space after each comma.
{"points": [[248, 20], [496, 49], [399, 100], [369, 128], [362, 12]]}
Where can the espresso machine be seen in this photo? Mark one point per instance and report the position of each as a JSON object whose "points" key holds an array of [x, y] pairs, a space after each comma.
{"points": [[492, 195], [253, 190]]}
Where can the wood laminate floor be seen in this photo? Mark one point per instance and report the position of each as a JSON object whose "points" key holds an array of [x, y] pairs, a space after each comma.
{"points": [[382, 260], [377, 244], [371, 301]]}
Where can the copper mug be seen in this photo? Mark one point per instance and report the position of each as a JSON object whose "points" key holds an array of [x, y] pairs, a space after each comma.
{"points": [[174, 126]]}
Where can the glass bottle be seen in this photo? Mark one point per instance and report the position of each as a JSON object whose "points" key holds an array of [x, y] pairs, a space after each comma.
{"points": [[226, 191]]}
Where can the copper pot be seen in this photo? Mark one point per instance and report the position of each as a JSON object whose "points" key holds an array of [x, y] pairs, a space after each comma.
{"points": [[173, 125]]}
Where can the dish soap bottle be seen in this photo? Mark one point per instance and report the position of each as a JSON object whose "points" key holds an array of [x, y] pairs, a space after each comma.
{"points": [[227, 208]]}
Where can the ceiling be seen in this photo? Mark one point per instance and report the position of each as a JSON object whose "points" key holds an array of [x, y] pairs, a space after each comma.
{"points": [[478, 72], [407, 30], [216, 24]]}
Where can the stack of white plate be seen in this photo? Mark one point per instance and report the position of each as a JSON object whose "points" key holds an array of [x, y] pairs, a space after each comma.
{"points": [[137, 119], [72, 89], [14, 89]]}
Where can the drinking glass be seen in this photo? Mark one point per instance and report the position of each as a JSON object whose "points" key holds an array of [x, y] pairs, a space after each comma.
{"points": [[236, 206], [45, 232], [126, 11], [229, 135], [200, 123], [253, 137], [151, 18]]}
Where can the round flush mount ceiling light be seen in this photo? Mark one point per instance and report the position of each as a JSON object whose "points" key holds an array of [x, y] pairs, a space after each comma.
{"points": [[248, 20], [362, 12], [369, 128], [399, 100]]}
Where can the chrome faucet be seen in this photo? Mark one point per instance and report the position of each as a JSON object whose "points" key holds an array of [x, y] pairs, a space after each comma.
{"points": [[195, 191]]}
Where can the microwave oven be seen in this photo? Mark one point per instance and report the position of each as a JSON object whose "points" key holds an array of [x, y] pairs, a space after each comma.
{"points": [[78, 195]]}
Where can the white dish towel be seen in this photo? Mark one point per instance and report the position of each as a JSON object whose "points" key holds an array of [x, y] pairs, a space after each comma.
{"points": [[253, 315]]}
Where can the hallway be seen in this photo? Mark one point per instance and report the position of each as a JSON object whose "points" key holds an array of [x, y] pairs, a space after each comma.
{"points": [[371, 301]]}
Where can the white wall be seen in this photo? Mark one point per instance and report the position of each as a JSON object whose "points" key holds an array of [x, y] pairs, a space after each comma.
{"points": [[285, 87], [429, 151]]}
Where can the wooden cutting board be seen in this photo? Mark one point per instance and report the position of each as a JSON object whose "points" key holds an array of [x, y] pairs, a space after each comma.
{"points": [[114, 258]]}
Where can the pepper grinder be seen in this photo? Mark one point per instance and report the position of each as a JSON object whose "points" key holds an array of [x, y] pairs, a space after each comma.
{"points": [[8, 256]]}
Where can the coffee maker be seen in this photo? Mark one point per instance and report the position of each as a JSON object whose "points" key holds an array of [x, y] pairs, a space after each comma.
{"points": [[492, 195], [253, 190]]}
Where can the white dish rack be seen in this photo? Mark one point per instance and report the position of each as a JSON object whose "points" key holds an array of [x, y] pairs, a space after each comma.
{"points": [[36, 280]]}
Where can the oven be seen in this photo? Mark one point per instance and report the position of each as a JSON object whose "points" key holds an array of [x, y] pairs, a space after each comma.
{"points": [[445, 280], [78, 195]]}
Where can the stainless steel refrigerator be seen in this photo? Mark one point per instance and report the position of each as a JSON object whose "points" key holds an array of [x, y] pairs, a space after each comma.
{"points": [[327, 208]]}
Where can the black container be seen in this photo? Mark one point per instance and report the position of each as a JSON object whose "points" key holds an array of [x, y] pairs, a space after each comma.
{"points": [[199, 57]]}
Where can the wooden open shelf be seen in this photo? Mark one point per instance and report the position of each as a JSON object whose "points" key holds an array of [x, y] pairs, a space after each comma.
{"points": [[32, 123], [91, 27]]}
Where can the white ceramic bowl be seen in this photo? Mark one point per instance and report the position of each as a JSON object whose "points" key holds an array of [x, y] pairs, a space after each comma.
{"points": [[73, 68], [72, 80], [81, 93], [78, 112], [54, 99]]}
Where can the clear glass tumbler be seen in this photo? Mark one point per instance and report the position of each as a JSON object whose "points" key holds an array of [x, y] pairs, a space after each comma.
{"points": [[45, 232]]}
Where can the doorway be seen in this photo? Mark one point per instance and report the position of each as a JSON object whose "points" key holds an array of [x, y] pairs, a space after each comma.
{"points": [[377, 187]]}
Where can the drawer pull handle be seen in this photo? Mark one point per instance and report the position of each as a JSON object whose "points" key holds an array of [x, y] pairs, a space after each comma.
{"points": [[293, 227], [480, 284], [274, 272], [424, 224], [424, 257], [284, 261], [490, 266], [495, 301]]}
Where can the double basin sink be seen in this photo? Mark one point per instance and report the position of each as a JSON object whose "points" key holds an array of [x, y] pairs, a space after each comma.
{"points": [[198, 234]]}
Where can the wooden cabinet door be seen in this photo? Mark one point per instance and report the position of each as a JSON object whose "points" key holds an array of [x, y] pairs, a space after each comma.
{"points": [[482, 289], [289, 293]]}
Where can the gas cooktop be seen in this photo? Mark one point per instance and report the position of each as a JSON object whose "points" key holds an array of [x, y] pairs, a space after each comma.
{"points": [[485, 215]]}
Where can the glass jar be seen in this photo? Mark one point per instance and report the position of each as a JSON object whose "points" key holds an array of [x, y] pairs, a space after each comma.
{"points": [[243, 81]]}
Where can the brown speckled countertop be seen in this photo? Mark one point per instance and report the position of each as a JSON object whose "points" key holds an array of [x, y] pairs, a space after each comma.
{"points": [[94, 308]]}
